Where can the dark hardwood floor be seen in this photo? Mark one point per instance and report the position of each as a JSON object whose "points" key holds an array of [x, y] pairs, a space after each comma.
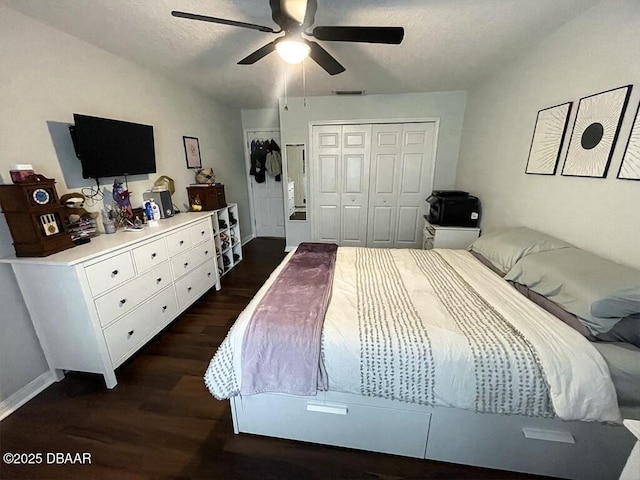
{"points": [[161, 422]]}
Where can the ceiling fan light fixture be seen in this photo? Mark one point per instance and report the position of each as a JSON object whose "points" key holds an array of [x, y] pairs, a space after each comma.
{"points": [[292, 51]]}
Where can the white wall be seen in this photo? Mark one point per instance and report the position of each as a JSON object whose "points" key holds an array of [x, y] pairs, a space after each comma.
{"points": [[447, 106], [46, 76], [597, 51]]}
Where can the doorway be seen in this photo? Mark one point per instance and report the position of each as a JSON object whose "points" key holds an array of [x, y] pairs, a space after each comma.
{"points": [[267, 197]]}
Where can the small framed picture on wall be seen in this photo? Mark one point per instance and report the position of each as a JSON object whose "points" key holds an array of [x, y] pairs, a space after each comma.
{"points": [[192, 152]]}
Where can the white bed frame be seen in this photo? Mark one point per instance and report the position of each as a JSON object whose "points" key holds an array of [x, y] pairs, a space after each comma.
{"points": [[553, 447]]}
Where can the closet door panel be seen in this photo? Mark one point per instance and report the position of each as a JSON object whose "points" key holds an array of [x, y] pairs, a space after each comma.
{"points": [[353, 217], [409, 231], [354, 179], [415, 182], [381, 231], [384, 174], [328, 222], [383, 184], [328, 169], [325, 168], [356, 159], [411, 174]]}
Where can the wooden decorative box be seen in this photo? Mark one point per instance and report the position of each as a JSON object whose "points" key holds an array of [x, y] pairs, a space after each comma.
{"points": [[209, 195], [34, 216]]}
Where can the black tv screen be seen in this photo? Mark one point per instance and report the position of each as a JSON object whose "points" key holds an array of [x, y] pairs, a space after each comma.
{"points": [[112, 148]]}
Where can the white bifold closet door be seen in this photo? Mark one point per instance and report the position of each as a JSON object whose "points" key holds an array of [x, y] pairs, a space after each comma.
{"points": [[341, 183], [370, 183], [401, 179]]}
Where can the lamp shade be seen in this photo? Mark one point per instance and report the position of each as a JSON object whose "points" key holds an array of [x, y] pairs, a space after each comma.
{"points": [[292, 51]]}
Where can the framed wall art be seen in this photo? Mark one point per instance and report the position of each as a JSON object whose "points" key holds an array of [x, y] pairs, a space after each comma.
{"points": [[595, 132], [548, 135], [630, 166], [192, 152]]}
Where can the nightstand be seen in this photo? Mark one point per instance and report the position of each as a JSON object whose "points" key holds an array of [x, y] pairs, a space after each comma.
{"points": [[436, 236]]}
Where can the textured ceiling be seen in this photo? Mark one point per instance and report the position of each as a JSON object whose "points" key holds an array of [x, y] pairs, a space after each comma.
{"points": [[448, 44]]}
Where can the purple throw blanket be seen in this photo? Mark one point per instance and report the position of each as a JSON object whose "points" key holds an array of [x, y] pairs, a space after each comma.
{"points": [[281, 346]]}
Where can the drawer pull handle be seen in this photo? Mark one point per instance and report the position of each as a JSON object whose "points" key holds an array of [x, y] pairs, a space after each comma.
{"points": [[334, 410], [202, 232], [153, 255], [208, 274], [130, 334], [186, 264], [114, 273], [548, 435], [188, 289], [158, 280], [164, 309], [206, 252], [181, 242], [123, 301]]}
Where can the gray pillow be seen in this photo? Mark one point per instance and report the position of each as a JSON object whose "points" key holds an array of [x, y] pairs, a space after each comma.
{"points": [[598, 291], [503, 248], [626, 330], [623, 361], [555, 310]]}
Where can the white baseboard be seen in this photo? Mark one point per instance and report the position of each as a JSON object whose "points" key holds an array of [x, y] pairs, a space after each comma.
{"points": [[247, 239], [26, 393]]}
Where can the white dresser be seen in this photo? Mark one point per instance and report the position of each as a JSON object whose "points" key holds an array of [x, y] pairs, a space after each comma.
{"points": [[436, 236], [95, 305]]}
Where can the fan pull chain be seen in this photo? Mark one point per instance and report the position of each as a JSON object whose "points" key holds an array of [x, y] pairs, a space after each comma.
{"points": [[304, 83], [286, 99]]}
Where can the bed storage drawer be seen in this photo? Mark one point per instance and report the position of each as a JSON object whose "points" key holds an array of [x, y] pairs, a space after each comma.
{"points": [[401, 432]]}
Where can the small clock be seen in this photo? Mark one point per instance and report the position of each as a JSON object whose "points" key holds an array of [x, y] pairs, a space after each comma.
{"points": [[41, 196]]}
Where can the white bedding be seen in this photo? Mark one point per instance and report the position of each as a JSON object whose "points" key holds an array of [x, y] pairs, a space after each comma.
{"points": [[436, 327]]}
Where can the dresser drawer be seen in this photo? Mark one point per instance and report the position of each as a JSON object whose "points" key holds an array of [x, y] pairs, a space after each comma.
{"points": [[150, 255], [187, 261], [179, 241], [128, 296], [200, 232], [191, 287], [133, 330], [109, 273]]}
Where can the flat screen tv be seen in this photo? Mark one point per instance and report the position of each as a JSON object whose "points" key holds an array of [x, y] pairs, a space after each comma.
{"points": [[112, 148]]}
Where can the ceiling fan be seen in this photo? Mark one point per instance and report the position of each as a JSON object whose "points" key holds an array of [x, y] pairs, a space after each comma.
{"points": [[295, 17]]}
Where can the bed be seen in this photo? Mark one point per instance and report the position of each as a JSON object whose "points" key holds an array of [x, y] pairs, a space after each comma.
{"points": [[431, 354]]}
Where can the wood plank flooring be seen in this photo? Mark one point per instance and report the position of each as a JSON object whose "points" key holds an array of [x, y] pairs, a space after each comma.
{"points": [[161, 422]]}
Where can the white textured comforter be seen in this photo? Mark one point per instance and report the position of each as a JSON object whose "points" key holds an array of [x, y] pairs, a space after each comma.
{"points": [[438, 328]]}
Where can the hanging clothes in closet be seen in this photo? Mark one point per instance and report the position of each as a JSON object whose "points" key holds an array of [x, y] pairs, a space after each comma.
{"points": [[265, 156], [274, 161]]}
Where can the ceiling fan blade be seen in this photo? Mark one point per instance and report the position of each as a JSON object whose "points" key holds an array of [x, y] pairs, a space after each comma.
{"points": [[223, 21], [324, 59], [391, 35], [258, 54]]}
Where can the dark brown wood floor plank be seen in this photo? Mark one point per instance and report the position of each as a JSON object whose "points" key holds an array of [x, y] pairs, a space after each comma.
{"points": [[161, 422]]}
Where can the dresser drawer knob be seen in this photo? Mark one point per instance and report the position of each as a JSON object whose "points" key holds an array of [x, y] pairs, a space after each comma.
{"points": [[153, 255], [202, 232], [186, 264], [114, 273], [164, 308], [188, 289], [206, 252], [181, 242], [130, 334], [158, 280], [123, 301], [208, 274]]}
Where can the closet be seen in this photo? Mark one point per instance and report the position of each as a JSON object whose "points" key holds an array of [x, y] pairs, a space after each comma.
{"points": [[370, 181]]}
